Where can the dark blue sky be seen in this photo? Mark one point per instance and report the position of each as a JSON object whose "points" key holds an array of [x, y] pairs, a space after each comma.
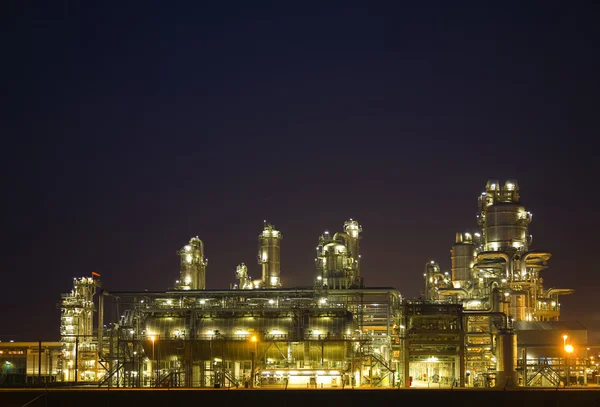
{"points": [[131, 126]]}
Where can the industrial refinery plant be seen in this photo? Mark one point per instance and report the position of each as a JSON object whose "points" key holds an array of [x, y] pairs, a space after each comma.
{"points": [[489, 321]]}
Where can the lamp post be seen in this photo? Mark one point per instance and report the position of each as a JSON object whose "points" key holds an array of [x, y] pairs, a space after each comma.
{"points": [[254, 340], [569, 350], [585, 367], [565, 356], [153, 360]]}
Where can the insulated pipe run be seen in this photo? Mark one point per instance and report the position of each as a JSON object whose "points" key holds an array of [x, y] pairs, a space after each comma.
{"points": [[453, 291], [494, 255]]}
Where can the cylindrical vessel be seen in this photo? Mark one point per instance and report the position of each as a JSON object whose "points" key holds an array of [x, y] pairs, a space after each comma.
{"points": [[353, 229], [432, 271], [193, 266], [268, 256], [335, 255], [518, 306], [506, 359], [506, 227], [463, 257]]}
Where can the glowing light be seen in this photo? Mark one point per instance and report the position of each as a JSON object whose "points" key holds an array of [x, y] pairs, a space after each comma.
{"points": [[569, 348], [253, 338]]}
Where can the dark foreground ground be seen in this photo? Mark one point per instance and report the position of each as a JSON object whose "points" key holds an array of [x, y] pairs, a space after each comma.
{"points": [[292, 398]]}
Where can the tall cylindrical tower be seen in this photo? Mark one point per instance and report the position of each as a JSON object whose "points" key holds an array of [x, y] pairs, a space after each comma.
{"points": [[506, 359], [353, 229], [463, 257], [503, 219], [193, 266], [268, 256]]}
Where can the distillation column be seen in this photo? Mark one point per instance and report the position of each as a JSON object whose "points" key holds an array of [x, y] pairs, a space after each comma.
{"points": [[463, 258], [268, 256], [193, 266], [352, 230]]}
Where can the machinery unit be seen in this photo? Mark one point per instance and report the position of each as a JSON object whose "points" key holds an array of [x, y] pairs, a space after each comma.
{"points": [[495, 276], [495, 268], [79, 350], [336, 332], [269, 242], [193, 266], [338, 258]]}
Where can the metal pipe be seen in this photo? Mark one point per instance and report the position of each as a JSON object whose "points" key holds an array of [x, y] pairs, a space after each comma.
{"points": [[100, 322], [40, 362], [452, 291], [560, 291]]}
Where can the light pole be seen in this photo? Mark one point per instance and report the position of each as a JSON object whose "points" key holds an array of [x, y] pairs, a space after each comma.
{"points": [[153, 360], [254, 340], [569, 350], [565, 356]]}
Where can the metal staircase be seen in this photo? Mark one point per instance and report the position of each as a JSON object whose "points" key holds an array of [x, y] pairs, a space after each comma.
{"points": [[377, 359], [107, 379], [546, 372], [229, 376]]}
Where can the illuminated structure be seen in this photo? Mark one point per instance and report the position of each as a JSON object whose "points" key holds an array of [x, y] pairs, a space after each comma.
{"points": [[495, 276], [338, 258], [336, 332], [79, 351], [193, 266], [494, 269], [268, 256]]}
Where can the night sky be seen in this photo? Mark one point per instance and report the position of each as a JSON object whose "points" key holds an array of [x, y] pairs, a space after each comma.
{"points": [[130, 127]]}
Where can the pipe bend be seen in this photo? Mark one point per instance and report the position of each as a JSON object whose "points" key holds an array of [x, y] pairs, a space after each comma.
{"points": [[451, 291], [560, 291]]}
